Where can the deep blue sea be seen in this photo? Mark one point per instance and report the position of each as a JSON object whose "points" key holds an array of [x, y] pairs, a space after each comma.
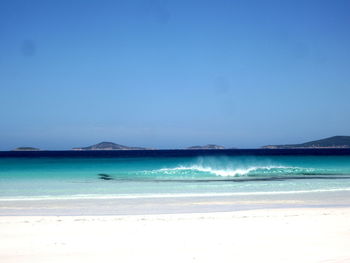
{"points": [[157, 173]]}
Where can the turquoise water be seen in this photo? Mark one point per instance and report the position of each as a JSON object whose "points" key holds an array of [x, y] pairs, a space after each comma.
{"points": [[51, 178]]}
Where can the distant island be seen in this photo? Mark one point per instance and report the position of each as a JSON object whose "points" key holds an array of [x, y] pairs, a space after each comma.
{"points": [[26, 149], [331, 142], [206, 147], [109, 146]]}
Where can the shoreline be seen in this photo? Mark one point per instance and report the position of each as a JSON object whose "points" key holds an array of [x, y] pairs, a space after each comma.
{"points": [[173, 205], [165, 195]]}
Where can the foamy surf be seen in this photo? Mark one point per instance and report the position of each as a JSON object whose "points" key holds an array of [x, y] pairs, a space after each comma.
{"points": [[233, 172]]}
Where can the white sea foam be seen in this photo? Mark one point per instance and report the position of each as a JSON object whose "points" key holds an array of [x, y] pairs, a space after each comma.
{"points": [[224, 172], [165, 195]]}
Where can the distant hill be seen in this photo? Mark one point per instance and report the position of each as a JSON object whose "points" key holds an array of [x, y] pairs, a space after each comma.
{"points": [[331, 142], [206, 147], [26, 149], [107, 146]]}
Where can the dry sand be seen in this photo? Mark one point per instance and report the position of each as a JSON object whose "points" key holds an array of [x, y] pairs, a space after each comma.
{"points": [[275, 235]]}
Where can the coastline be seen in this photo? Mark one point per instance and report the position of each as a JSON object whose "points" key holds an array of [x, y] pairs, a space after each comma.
{"points": [[172, 205], [291, 220]]}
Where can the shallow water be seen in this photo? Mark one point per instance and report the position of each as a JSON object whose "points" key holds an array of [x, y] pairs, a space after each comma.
{"points": [[69, 178]]}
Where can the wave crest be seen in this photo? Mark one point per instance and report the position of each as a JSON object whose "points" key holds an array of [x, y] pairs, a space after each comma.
{"points": [[234, 172]]}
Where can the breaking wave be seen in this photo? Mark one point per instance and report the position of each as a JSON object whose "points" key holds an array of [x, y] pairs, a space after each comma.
{"points": [[237, 172]]}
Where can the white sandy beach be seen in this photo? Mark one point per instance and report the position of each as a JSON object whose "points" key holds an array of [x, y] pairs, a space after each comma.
{"points": [[275, 235]]}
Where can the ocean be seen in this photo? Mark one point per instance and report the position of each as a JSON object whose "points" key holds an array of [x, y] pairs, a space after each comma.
{"points": [[47, 175]]}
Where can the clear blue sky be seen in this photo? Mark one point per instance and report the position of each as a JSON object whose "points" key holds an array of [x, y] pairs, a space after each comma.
{"points": [[173, 73]]}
